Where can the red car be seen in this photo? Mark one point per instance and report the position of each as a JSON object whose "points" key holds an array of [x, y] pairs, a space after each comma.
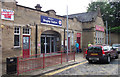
{"points": [[100, 53]]}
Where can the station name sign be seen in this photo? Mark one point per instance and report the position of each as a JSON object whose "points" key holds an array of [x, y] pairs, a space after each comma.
{"points": [[7, 14], [51, 21]]}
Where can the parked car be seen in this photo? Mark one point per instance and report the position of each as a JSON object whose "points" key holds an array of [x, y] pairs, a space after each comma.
{"points": [[117, 47], [99, 53]]}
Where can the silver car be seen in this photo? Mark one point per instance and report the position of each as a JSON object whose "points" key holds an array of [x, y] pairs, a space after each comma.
{"points": [[117, 47]]}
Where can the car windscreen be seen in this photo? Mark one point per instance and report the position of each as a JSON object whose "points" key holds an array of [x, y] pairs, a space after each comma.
{"points": [[94, 49], [116, 45], [107, 48]]}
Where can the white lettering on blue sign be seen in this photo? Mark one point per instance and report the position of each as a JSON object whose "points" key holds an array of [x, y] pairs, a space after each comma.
{"points": [[47, 21], [51, 21]]}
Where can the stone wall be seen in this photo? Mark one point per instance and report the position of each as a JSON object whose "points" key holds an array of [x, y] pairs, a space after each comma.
{"points": [[89, 31], [0, 43], [86, 40], [115, 38], [87, 34]]}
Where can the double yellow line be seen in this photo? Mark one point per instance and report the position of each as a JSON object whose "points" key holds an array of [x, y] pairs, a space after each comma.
{"points": [[58, 71]]}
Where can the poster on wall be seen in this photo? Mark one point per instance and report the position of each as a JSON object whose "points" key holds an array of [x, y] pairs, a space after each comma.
{"points": [[7, 14]]}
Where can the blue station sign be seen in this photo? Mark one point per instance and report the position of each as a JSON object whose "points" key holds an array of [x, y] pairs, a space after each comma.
{"points": [[51, 21]]}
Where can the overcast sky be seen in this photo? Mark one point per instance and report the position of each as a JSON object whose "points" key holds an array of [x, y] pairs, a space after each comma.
{"points": [[74, 6]]}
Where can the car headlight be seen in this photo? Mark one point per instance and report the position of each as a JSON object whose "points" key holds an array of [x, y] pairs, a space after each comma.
{"points": [[117, 49]]}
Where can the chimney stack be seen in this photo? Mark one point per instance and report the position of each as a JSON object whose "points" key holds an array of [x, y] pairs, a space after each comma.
{"points": [[99, 13], [38, 7]]}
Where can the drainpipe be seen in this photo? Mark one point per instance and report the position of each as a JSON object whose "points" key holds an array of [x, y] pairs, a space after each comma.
{"points": [[36, 39], [64, 41]]}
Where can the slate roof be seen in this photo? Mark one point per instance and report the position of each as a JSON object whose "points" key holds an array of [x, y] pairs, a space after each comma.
{"points": [[85, 17]]}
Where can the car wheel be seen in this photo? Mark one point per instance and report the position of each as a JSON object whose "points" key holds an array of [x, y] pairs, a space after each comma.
{"points": [[108, 59]]}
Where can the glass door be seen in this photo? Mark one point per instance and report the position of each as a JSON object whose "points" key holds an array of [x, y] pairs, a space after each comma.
{"points": [[52, 44], [47, 44], [42, 44]]}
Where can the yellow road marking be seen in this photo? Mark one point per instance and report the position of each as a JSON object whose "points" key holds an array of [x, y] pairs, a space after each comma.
{"points": [[58, 71]]}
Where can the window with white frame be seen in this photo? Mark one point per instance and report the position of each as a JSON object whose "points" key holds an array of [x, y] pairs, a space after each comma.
{"points": [[16, 36], [99, 37], [26, 31]]}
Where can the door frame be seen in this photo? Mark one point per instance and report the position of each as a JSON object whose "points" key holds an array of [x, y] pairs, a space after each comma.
{"points": [[45, 36], [29, 44], [79, 36]]}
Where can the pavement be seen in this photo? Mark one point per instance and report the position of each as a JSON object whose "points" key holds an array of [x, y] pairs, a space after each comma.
{"points": [[79, 57]]}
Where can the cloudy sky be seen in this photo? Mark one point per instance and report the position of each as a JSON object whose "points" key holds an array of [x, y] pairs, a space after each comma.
{"points": [[74, 6]]}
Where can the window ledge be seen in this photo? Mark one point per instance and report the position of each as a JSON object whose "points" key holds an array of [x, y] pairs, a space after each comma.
{"points": [[16, 47]]}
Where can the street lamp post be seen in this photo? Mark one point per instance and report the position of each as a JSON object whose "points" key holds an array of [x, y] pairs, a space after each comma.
{"points": [[106, 33], [109, 37], [67, 33]]}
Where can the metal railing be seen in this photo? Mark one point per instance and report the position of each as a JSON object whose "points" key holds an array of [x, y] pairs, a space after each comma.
{"points": [[42, 61]]}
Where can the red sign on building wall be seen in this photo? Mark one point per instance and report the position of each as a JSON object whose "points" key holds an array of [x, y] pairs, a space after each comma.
{"points": [[78, 34], [7, 14], [99, 28]]}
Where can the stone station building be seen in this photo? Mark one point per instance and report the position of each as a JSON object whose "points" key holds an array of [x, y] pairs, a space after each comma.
{"points": [[18, 25], [21, 26]]}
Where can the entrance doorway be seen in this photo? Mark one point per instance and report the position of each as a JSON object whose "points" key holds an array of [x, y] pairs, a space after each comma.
{"points": [[26, 46], [79, 39], [50, 42]]}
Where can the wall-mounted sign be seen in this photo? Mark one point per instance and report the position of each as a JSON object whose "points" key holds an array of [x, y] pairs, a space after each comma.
{"points": [[7, 14], [99, 28], [51, 21], [78, 34]]}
